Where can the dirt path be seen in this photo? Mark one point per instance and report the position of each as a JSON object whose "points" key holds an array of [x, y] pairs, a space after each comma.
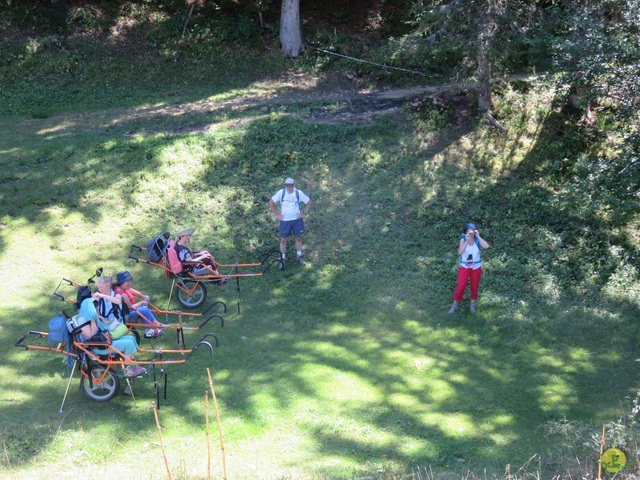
{"points": [[330, 100]]}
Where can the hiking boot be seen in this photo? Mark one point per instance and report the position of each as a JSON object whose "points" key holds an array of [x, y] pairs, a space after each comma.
{"points": [[131, 371], [472, 307], [454, 307], [301, 260]]}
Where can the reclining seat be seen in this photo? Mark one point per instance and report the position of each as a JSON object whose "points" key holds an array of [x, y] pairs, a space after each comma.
{"points": [[172, 262], [184, 269]]}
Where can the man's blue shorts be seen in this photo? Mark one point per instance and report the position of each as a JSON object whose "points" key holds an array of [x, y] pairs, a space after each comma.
{"points": [[291, 227]]}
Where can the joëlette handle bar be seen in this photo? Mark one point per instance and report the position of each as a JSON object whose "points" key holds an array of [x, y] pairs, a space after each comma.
{"points": [[63, 298], [20, 343], [137, 249], [90, 280], [26, 346]]}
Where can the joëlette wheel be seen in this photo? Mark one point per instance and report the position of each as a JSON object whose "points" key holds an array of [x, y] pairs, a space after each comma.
{"points": [[197, 297], [103, 386]]}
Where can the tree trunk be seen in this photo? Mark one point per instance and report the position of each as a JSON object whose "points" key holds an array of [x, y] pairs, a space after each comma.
{"points": [[483, 73], [290, 29], [485, 100], [486, 29]]}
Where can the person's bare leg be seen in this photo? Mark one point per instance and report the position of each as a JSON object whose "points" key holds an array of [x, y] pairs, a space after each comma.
{"points": [[283, 251], [299, 251]]}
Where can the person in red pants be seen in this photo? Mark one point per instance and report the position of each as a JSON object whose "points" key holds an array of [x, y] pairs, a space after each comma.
{"points": [[470, 269]]}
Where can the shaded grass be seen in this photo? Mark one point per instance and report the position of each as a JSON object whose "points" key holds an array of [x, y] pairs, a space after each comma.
{"points": [[45, 76]]}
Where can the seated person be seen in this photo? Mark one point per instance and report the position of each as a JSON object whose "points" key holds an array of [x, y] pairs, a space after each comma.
{"points": [[126, 344], [205, 263], [139, 312], [109, 303]]}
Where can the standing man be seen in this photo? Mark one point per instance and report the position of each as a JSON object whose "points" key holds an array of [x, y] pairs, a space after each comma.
{"points": [[290, 216]]}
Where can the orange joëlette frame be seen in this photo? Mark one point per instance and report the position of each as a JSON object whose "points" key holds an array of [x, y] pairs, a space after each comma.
{"points": [[180, 327]]}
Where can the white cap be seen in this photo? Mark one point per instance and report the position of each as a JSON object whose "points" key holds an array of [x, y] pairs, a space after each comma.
{"points": [[289, 181]]}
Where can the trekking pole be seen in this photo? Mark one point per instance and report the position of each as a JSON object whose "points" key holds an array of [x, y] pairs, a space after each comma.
{"points": [[164, 455], [73, 369], [215, 404]]}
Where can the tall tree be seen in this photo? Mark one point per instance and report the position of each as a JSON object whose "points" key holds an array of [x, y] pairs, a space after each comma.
{"points": [[475, 35], [598, 56], [290, 28]]}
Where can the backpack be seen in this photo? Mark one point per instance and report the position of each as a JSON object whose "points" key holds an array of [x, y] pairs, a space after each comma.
{"points": [[84, 292], [156, 247], [58, 332]]}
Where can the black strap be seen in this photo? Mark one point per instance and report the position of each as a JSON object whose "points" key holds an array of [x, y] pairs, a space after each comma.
{"points": [[115, 309], [284, 190], [79, 328]]}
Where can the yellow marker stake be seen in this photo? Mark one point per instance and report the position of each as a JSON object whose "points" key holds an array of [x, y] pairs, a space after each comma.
{"points": [[215, 403]]}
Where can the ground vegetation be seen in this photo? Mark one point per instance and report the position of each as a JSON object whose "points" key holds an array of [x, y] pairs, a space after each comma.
{"points": [[120, 120]]}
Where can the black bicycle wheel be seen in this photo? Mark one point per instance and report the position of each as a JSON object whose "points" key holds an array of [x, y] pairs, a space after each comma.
{"points": [[102, 386], [193, 300]]}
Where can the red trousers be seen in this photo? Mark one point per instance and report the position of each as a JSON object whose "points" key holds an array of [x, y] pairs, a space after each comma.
{"points": [[467, 275]]}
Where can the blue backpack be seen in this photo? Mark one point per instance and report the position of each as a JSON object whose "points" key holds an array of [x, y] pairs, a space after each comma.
{"points": [[58, 332]]}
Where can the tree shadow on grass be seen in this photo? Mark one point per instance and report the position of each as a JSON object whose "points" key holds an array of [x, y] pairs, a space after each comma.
{"points": [[386, 371], [523, 378]]}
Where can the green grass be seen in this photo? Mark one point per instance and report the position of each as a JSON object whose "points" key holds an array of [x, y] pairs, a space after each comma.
{"points": [[351, 367]]}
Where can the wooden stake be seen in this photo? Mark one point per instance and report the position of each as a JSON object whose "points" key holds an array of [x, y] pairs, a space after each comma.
{"points": [[601, 452], [215, 404], [206, 418], [164, 455]]}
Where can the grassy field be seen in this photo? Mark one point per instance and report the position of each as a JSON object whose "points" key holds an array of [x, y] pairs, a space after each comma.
{"points": [[350, 367]]}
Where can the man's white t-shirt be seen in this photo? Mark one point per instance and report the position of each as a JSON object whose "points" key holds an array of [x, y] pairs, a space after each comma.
{"points": [[290, 207]]}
